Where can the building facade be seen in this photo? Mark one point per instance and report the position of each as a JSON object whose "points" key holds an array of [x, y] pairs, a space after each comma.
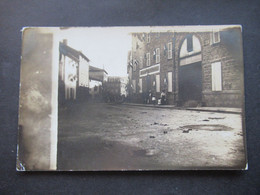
{"points": [[75, 74], [192, 68], [114, 88]]}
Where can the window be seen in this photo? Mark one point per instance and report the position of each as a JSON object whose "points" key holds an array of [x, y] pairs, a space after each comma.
{"points": [[189, 43], [148, 59], [215, 37], [157, 83], [216, 76], [148, 38], [157, 55], [170, 50], [169, 82], [140, 85]]}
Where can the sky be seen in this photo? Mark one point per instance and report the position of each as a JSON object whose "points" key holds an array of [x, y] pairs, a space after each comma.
{"points": [[105, 47]]}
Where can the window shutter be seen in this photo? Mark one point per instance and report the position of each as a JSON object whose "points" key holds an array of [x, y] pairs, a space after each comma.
{"points": [[158, 83], [216, 76], [169, 81]]}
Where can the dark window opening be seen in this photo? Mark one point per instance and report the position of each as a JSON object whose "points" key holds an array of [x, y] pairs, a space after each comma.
{"points": [[189, 43]]}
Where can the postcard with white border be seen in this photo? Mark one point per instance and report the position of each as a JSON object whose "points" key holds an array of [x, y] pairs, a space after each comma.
{"points": [[131, 98]]}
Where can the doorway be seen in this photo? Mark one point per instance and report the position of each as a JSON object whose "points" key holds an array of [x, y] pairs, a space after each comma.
{"points": [[190, 83]]}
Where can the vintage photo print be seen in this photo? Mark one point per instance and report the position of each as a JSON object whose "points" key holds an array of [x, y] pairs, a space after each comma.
{"points": [[131, 98]]}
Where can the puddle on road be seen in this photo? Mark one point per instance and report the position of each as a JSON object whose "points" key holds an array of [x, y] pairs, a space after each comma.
{"points": [[207, 127], [145, 152]]}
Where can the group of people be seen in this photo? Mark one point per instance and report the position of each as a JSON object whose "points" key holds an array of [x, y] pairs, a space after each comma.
{"points": [[151, 98]]}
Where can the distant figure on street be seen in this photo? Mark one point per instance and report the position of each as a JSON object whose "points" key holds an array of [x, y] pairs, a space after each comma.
{"points": [[163, 97], [149, 99], [153, 99]]}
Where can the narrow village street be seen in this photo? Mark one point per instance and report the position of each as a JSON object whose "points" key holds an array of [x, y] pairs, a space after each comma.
{"points": [[99, 136]]}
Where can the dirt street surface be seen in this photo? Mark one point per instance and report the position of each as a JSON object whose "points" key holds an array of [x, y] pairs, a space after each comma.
{"points": [[123, 137]]}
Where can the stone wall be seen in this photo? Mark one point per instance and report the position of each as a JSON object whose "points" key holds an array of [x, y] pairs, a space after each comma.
{"points": [[229, 52]]}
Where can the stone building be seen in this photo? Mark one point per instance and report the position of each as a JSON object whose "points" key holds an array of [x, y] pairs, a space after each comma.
{"points": [[193, 68]]}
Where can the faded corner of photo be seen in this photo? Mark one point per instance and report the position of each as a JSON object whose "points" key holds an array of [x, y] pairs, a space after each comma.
{"points": [[37, 105]]}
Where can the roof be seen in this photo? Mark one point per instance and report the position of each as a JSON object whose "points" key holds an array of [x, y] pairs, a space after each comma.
{"points": [[71, 53], [94, 69], [74, 54]]}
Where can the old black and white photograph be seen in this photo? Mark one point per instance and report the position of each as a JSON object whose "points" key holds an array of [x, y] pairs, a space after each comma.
{"points": [[132, 98]]}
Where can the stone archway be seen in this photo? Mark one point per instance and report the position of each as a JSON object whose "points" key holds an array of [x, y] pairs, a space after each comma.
{"points": [[190, 71]]}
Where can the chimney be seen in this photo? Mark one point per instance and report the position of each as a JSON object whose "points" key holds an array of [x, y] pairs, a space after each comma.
{"points": [[65, 41]]}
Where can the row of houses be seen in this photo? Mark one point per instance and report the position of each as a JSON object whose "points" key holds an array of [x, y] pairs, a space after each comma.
{"points": [[198, 68], [76, 73]]}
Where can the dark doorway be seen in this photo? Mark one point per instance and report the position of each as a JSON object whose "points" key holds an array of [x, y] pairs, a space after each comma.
{"points": [[190, 83], [148, 83]]}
